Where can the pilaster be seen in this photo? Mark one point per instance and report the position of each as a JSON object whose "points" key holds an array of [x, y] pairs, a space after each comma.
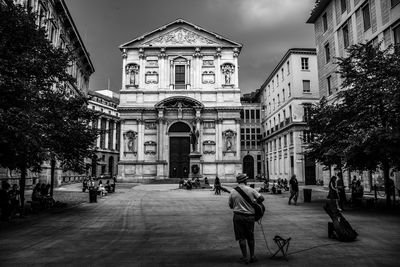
{"points": [[140, 144]]}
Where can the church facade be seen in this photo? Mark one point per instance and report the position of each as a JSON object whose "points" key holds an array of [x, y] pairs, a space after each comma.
{"points": [[179, 105]]}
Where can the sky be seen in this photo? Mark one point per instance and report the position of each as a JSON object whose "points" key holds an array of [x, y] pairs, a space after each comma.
{"points": [[266, 28]]}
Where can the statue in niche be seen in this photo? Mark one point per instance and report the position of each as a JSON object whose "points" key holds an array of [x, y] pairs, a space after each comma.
{"points": [[227, 70], [228, 144], [130, 138], [194, 138], [132, 70]]}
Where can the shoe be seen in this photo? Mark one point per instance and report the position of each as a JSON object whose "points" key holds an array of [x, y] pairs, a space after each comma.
{"points": [[253, 259], [244, 260]]}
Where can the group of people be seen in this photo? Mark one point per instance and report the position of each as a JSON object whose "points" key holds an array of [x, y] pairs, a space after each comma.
{"points": [[337, 191], [9, 201], [41, 196], [189, 184], [277, 186], [90, 184]]}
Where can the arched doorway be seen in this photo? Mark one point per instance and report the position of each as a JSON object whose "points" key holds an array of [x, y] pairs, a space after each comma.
{"points": [[111, 166], [248, 166], [179, 150]]}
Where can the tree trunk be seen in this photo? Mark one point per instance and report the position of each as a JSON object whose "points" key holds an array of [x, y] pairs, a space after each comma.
{"points": [[52, 174], [22, 183], [386, 168]]}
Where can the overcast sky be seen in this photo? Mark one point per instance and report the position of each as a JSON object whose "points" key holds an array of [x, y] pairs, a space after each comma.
{"points": [[266, 28]]}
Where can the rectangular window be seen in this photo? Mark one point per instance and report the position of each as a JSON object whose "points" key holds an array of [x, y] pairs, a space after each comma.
{"points": [[306, 86], [304, 63], [290, 91], [288, 67], [366, 17], [247, 114], [328, 82], [257, 114], [283, 76], [277, 80], [396, 33], [110, 135], [307, 112], [252, 114], [343, 5], [325, 22], [242, 114], [291, 138], [180, 76], [283, 95], [345, 31], [327, 53]]}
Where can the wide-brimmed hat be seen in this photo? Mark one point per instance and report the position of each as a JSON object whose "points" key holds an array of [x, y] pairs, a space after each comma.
{"points": [[241, 177]]}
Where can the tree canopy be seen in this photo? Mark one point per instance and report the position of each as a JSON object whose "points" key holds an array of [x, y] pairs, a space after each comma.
{"points": [[41, 115], [361, 126]]}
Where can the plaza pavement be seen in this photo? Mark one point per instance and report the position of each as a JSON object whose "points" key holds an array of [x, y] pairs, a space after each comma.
{"points": [[159, 225]]}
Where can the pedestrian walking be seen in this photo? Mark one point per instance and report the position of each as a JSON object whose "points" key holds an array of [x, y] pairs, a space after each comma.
{"points": [[342, 193], [217, 186], [294, 189], [333, 194], [243, 217]]}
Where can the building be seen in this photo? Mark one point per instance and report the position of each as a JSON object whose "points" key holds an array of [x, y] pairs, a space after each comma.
{"points": [[339, 24], [179, 105], [54, 16], [108, 143], [250, 135], [286, 96]]}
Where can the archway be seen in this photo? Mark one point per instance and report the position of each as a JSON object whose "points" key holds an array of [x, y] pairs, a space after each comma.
{"points": [[179, 150], [111, 166], [248, 166]]}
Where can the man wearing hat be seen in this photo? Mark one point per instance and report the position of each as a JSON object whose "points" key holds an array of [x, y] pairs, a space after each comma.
{"points": [[243, 216]]}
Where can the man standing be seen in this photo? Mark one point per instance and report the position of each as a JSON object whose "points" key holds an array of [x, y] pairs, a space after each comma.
{"points": [[342, 192], [243, 217], [294, 189]]}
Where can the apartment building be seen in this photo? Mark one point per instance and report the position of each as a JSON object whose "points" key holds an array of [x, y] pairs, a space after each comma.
{"points": [[250, 135], [286, 96]]}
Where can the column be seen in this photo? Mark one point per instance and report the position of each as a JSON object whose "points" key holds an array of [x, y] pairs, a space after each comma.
{"points": [[98, 128], [106, 135], [160, 134], [200, 140], [141, 69], [218, 83], [124, 56], [140, 143], [114, 142], [238, 141], [219, 140], [236, 73], [188, 79], [121, 139], [171, 74]]}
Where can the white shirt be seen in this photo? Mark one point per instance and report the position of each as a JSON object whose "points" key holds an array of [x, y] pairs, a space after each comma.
{"points": [[239, 204]]}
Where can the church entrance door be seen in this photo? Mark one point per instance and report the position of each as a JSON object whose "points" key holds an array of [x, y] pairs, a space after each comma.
{"points": [[248, 166], [179, 157]]}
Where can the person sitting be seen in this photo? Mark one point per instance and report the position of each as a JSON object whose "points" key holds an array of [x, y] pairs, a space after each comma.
{"points": [[206, 181], [37, 199], [189, 185], [43, 190], [108, 186], [14, 200], [274, 187], [85, 184], [265, 187], [358, 194], [285, 185], [101, 190], [181, 182]]}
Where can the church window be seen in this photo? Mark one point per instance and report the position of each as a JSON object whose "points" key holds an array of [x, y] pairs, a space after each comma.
{"points": [[180, 76]]}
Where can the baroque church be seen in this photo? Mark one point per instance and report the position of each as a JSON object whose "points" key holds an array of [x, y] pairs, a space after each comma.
{"points": [[179, 105]]}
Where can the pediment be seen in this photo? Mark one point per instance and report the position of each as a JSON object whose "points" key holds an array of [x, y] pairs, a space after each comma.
{"points": [[180, 37], [180, 33]]}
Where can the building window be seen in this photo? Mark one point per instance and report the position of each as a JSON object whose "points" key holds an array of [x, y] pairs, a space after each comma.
{"points": [[394, 2], [283, 95], [209, 125], [327, 53], [257, 115], [304, 63], [328, 82], [325, 22], [345, 31], [289, 90], [306, 86], [252, 115], [307, 136], [279, 102], [307, 112], [396, 33], [277, 80], [288, 67], [247, 114], [283, 76], [242, 114], [366, 17], [343, 5], [180, 76]]}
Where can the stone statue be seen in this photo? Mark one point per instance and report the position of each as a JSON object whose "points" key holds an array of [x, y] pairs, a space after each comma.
{"points": [[132, 71], [194, 138], [227, 70], [228, 144], [130, 141]]}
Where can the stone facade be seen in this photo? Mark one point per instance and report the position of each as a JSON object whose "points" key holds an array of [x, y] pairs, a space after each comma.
{"points": [[179, 105], [358, 21], [286, 96], [107, 144]]}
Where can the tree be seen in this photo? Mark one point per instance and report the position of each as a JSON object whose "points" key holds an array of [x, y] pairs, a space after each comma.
{"points": [[362, 126], [39, 117]]}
